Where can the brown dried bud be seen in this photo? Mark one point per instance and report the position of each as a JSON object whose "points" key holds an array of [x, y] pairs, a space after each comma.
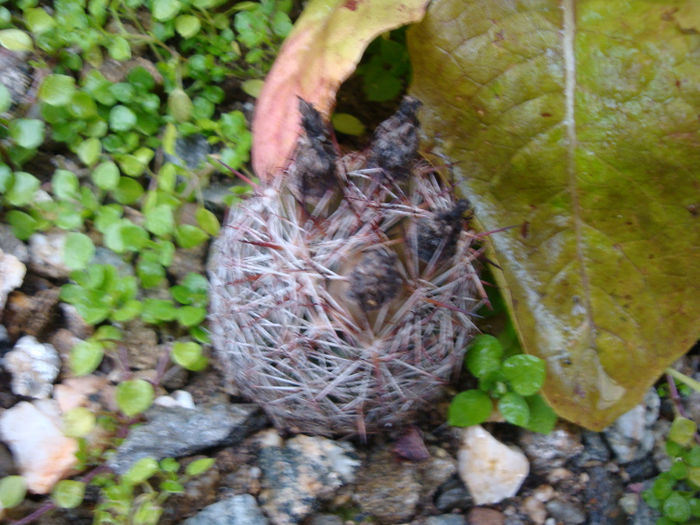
{"points": [[314, 168], [395, 141], [439, 233], [375, 280]]}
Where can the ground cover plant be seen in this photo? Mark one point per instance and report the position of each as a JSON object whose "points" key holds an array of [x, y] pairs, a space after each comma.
{"points": [[127, 90]]}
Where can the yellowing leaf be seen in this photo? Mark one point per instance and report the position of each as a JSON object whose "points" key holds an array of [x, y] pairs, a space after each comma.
{"points": [[322, 50], [577, 121]]}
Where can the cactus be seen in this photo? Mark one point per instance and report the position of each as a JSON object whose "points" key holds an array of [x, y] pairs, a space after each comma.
{"points": [[345, 314]]}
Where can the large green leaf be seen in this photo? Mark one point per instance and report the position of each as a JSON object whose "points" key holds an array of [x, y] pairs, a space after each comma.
{"points": [[579, 122]]}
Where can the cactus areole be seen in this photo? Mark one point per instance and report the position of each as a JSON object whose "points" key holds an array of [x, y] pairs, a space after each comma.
{"points": [[342, 291]]}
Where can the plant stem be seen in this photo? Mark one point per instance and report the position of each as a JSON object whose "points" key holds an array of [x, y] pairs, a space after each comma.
{"points": [[686, 380]]}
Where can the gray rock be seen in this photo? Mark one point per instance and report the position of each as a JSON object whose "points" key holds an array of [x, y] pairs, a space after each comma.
{"points": [[602, 494], [325, 519], [453, 495], [190, 152], [296, 476], [34, 367], [641, 469], [631, 436], [594, 449], [566, 512], [12, 245], [238, 510], [388, 488], [446, 519], [548, 451], [177, 431]]}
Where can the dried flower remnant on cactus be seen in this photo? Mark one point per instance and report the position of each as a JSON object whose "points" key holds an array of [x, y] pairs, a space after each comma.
{"points": [[313, 174], [437, 235], [395, 142], [329, 321], [375, 280]]}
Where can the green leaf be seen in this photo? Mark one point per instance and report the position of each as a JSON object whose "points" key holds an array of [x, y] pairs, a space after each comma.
{"points": [[514, 409], [199, 466], [5, 98], [682, 431], [169, 465], [27, 132], [179, 105], [78, 422], [469, 408], [524, 373], [158, 310], [484, 356], [85, 357], [189, 355], [57, 90], [121, 118], [106, 175], [207, 221], [252, 87], [23, 189], [89, 151], [348, 124], [68, 493], [142, 470], [15, 40], [82, 106], [78, 250], [172, 486], [134, 396], [12, 491], [188, 236], [578, 122], [676, 508], [127, 191], [64, 184], [160, 220], [164, 10], [23, 224], [187, 25], [119, 48], [189, 316], [38, 21], [542, 417]]}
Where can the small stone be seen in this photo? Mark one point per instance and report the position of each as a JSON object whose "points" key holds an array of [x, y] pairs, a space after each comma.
{"points": [[630, 437], [491, 470], [566, 512], [453, 498], [641, 469], [46, 254], [177, 431], [325, 519], [141, 344], [88, 391], [388, 488], [75, 323], [481, 516], [31, 314], [179, 398], [548, 451], [535, 510], [238, 510], [188, 261], [433, 473], [446, 519], [296, 476], [12, 273], [12, 245], [34, 367], [594, 449], [602, 492], [41, 451], [629, 503]]}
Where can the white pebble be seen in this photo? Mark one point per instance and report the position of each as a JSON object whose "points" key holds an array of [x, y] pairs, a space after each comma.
{"points": [[34, 367], [491, 470], [12, 273], [41, 451]]}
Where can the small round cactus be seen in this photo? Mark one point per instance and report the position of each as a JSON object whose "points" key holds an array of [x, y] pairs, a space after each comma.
{"points": [[345, 314]]}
